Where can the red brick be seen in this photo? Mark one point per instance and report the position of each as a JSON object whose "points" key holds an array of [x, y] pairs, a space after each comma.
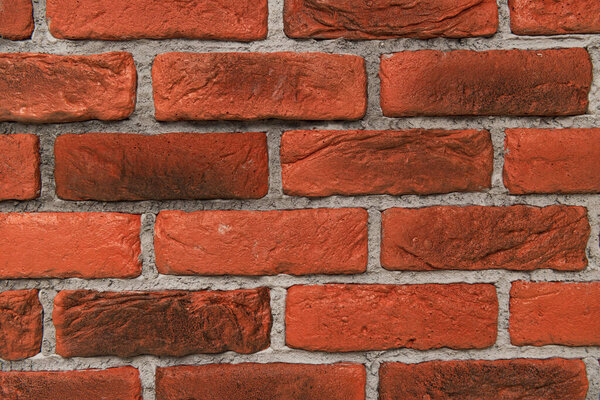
{"points": [[552, 161], [357, 19], [544, 313], [44, 88], [173, 323], [556, 379], [379, 317], [551, 17], [296, 242], [325, 163], [16, 19], [262, 381], [251, 86], [19, 167], [166, 19], [20, 325], [62, 245], [113, 167], [497, 82], [471, 238], [90, 384]]}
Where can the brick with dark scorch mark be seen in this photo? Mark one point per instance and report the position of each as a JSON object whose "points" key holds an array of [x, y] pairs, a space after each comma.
{"points": [[497, 82], [556, 379], [171, 323], [359, 19], [115, 167], [472, 238]]}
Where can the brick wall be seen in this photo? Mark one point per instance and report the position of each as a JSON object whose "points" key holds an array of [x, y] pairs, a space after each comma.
{"points": [[293, 199]]}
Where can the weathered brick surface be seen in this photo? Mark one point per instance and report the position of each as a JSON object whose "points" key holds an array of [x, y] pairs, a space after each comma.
{"points": [[378, 317], [357, 19], [556, 379], [250, 86], [552, 161], [473, 238], [550, 17], [325, 163], [62, 245], [544, 313], [262, 381], [16, 19], [44, 88], [112, 166], [296, 242], [166, 19], [19, 167], [20, 325], [114, 383], [172, 323], [496, 82]]}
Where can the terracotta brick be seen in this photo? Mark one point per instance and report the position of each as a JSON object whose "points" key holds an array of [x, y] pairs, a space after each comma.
{"points": [[357, 19], [379, 317], [172, 323], [497, 82], [550, 17], [62, 245], [251, 86], [325, 163], [115, 383], [166, 19], [552, 161], [262, 381], [44, 88], [16, 19], [114, 167], [556, 379], [544, 313], [19, 167], [296, 242], [471, 238], [20, 325]]}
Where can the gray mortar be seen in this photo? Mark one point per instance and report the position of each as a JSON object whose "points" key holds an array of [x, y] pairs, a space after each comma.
{"points": [[142, 121]]}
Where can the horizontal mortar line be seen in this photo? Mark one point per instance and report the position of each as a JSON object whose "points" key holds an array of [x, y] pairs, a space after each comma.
{"points": [[373, 122], [379, 202], [231, 282], [41, 362], [150, 47]]}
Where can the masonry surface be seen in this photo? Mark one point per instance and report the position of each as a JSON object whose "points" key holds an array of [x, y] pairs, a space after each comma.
{"points": [[299, 199]]}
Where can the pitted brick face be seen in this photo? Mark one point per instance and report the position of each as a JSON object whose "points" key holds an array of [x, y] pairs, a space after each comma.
{"points": [[20, 325]]}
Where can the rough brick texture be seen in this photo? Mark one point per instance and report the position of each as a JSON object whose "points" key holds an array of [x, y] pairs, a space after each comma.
{"points": [[166, 19], [325, 163], [497, 82], [262, 381], [544, 313], [472, 238], [359, 19], [20, 325], [552, 161], [173, 323], [296, 242], [379, 317], [115, 383], [551, 17], [19, 167], [61, 245], [112, 166], [43, 88], [16, 19], [555, 379], [250, 86]]}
